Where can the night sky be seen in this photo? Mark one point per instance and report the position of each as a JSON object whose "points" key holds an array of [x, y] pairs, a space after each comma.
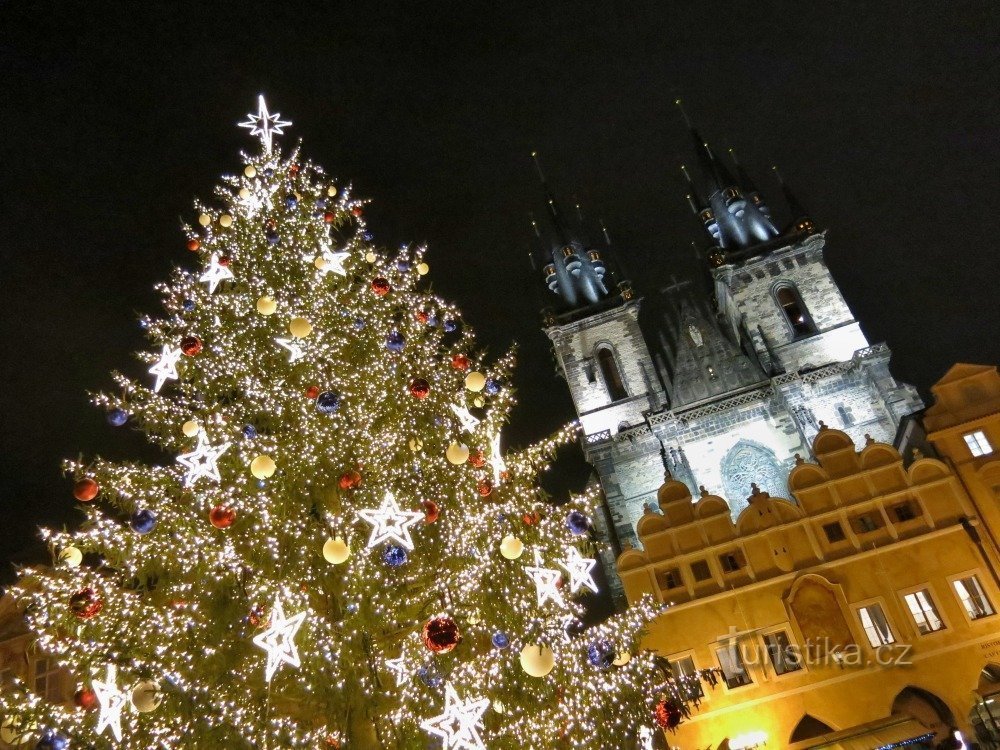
{"points": [[882, 116]]}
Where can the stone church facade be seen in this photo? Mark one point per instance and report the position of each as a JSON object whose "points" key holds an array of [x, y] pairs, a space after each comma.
{"points": [[722, 391]]}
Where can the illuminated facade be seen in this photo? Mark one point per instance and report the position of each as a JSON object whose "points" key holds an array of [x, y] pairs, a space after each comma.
{"points": [[720, 392], [858, 613]]}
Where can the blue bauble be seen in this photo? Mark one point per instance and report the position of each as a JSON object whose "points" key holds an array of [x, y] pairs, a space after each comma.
{"points": [[188, 305], [249, 431], [429, 677], [291, 201], [577, 523], [142, 521], [403, 266], [52, 740], [601, 654], [352, 607], [261, 484], [450, 325], [500, 640], [432, 319], [394, 556], [359, 323], [492, 387], [117, 417], [143, 324], [328, 402], [269, 172], [321, 203], [272, 238], [367, 236], [395, 342]]}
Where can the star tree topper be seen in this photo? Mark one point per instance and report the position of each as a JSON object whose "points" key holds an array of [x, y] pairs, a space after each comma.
{"points": [[580, 569], [390, 523], [265, 124], [545, 582], [165, 367], [111, 701], [215, 273], [460, 723], [279, 639], [203, 460]]}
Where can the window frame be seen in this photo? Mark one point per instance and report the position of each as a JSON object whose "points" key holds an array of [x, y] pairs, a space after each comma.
{"points": [[740, 563], [979, 442], [880, 603], [840, 526], [934, 599], [976, 575], [799, 664], [688, 656], [807, 323], [708, 569], [733, 647], [50, 674], [606, 346]]}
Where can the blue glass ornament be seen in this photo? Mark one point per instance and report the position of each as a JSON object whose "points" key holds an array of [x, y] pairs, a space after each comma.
{"points": [[143, 324], [269, 172], [261, 483], [291, 201], [142, 521], [601, 654], [321, 203], [403, 266], [432, 319], [429, 677], [450, 325], [249, 431], [492, 387], [395, 341], [52, 740], [117, 417], [328, 402], [368, 236], [500, 640], [188, 305], [394, 556], [577, 523], [272, 238], [359, 323], [352, 607]]}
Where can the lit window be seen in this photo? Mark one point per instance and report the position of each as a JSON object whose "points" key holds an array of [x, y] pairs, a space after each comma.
{"points": [[700, 570], [612, 376], [973, 598], [794, 310], [834, 532], [780, 651], [978, 444], [923, 611], [734, 671], [876, 626], [46, 678], [687, 677]]}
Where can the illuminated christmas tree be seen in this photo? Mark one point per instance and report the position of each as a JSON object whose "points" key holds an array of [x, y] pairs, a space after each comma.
{"points": [[339, 554]]}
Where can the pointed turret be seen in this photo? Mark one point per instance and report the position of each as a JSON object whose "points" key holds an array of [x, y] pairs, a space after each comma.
{"points": [[801, 221]]}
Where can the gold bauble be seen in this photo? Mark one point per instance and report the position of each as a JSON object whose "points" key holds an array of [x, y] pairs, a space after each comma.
{"points": [[423, 269], [457, 454], [371, 257], [244, 193], [250, 170], [266, 305], [511, 547], [475, 381], [191, 428], [331, 191], [479, 402], [336, 551], [537, 660], [204, 220], [299, 327], [416, 444], [225, 220], [17, 733], [146, 696], [263, 467], [72, 556], [321, 263], [622, 658]]}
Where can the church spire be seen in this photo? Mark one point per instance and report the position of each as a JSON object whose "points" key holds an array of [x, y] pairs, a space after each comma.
{"points": [[801, 221]]}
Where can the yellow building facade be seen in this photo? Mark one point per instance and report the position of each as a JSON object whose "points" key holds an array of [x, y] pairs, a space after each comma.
{"points": [[863, 614]]}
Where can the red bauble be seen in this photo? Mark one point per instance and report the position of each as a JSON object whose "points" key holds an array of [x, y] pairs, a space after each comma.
{"points": [[349, 480], [191, 346], [357, 211], [312, 391], [441, 634], [381, 286], [222, 517], [531, 518], [293, 170], [460, 362], [477, 459], [329, 216], [431, 511], [422, 315], [193, 244], [85, 490], [85, 698], [667, 715], [485, 487], [86, 603], [256, 616], [224, 260], [419, 388]]}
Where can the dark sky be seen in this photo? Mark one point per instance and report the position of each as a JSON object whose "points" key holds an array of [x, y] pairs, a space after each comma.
{"points": [[882, 115]]}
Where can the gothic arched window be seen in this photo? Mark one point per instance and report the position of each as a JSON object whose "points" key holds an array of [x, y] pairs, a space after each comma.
{"points": [[612, 375], [794, 309], [751, 463]]}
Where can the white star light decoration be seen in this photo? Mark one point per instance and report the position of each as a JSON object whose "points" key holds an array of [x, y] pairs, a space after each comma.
{"points": [[215, 273], [496, 458], [545, 582], [580, 569], [203, 460], [468, 421], [460, 723], [334, 262], [111, 701], [295, 352], [279, 639], [166, 367], [390, 523], [265, 124], [399, 669]]}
